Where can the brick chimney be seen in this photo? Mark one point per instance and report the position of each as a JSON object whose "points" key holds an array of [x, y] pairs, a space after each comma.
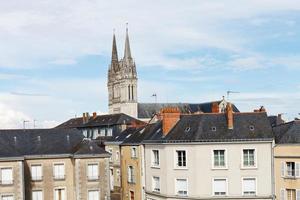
{"points": [[215, 107], [229, 116], [169, 116]]}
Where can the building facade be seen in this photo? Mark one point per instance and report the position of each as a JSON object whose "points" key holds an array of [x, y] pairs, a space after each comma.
{"points": [[52, 164], [287, 160], [210, 156]]}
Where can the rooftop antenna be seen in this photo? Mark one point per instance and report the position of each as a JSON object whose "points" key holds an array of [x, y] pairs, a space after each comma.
{"points": [[231, 92], [155, 97], [24, 123], [34, 123]]}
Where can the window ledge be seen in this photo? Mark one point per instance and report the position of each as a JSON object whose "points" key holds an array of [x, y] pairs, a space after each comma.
{"points": [[249, 168], [155, 166], [219, 168], [180, 168]]}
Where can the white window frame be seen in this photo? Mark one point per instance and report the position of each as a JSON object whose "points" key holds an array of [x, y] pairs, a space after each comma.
{"points": [[187, 187], [7, 194], [132, 178], [63, 188], [246, 177], [110, 150], [109, 132], [93, 190], [176, 159], [12, 175], [134, 152], [153, 164], [36, 178], [255, 158], [213, 159], [213, 188], [153, 184], [37, 190], [92, 178], [59, 178], [297, 194]]}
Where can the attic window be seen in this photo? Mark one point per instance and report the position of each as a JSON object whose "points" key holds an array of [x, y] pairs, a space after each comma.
{"points": [[187, 129], [251, 127], [213, 128], [117, 137]]}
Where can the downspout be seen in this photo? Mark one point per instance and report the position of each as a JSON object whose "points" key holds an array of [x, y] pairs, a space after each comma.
{"points": [[273, 171]]}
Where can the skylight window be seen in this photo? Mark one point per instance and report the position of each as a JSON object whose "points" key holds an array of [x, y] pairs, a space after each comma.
{"points": [[251, 127], [187, 129], [213, 128]]}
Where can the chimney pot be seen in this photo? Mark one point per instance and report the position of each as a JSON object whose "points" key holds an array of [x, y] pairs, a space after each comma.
{"points": [[215, 107]]}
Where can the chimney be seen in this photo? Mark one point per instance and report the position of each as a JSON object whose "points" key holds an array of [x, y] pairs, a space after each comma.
{"points": [[229, 116], [215, 107], [94, 115], [83, 118], [169, 117], [87, 117]]}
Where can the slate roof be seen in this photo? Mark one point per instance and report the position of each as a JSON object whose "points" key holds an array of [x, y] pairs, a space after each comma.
{"points": [[213, 127], [147, 110], [100, 120], [287, 132], [45, 142]]}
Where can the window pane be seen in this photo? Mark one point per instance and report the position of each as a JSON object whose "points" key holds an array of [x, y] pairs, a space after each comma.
{"points": [[219, 186], [249, 186]]}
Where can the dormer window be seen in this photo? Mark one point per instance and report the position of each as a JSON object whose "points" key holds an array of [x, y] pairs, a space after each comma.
{"points": [[213, 128], [251, 127]]}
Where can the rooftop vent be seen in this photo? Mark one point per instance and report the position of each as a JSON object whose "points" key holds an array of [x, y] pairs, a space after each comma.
{"points": [[187, 129], [251, 127], [213, 128]]}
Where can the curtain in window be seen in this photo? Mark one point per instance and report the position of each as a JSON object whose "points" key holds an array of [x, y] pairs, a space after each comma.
{"points": [[59, 171], [93, 195], [60, 194], [249, 186], [6, 176], [37, 195]]}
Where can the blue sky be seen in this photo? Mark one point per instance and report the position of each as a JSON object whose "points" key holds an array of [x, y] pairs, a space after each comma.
{"points": [[54, 54]]}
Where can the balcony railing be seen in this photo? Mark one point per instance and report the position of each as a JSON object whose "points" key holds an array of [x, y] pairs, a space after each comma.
{"points": [[37, 178], [59, 177], [7, 182], [93, 178]]}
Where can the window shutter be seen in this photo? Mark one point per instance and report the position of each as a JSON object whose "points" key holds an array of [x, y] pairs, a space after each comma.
{"points": [[297, 172], [282, 169], [297, 194], [282, 194], [220, 185]]}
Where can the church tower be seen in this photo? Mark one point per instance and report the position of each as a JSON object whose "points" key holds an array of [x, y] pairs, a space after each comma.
{"points": [[122, 81]]}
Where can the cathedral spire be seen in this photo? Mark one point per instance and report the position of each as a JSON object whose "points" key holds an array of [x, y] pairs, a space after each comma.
{"points": [[127, 53], [114, 55]]}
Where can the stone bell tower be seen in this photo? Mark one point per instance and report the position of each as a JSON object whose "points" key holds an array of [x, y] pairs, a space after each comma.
{"points": [[122, 81]]}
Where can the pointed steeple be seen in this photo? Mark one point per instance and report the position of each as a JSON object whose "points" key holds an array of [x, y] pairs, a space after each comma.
{"points": [[114, 55], [127, 53]]}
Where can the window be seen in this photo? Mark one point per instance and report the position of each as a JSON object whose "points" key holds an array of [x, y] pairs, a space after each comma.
{"points": [[117, 155], [219, 158], [181, 187], [249, 186], [290, 169], [85, 133], [155, 158], [59, 171], [133, 152], [93, 172], [60, 194], [131, 195], [111, 152], [181, 158], [6, 176], [155, 184], [220, 187], [213, 128], [95, 133], [130, 174], [109, 132], [251, 127], [249, 158], [93, 195], [37, 195], [36, 172], [102, 132], [292, 194], [7, 197]]}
